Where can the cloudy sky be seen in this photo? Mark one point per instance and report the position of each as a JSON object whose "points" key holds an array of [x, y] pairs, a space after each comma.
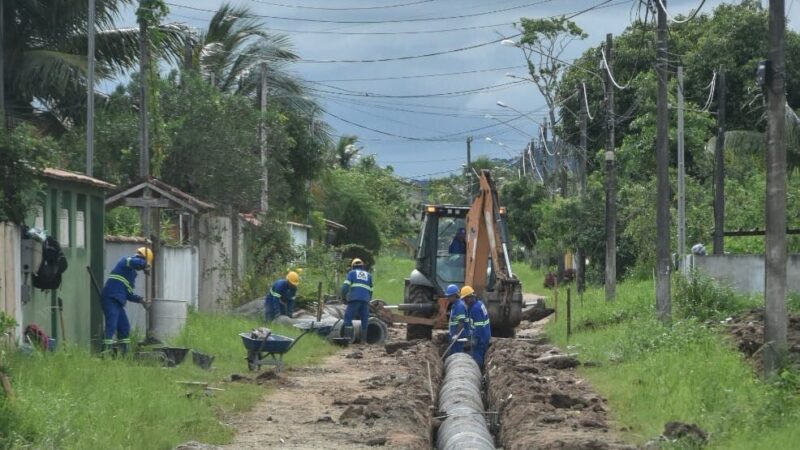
{"points": [[416, 113]]}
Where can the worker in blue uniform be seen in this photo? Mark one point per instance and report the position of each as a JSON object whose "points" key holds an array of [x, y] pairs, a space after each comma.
{"points": [[279, 301], [117, 291], [459, 321], [357, 290], [481, 331]]}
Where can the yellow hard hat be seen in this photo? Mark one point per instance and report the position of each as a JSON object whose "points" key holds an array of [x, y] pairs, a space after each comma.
{"points": [[293, 278], [147, 253], [356, 262], [466, 291]]}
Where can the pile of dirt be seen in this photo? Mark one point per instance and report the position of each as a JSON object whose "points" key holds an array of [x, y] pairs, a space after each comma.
{"points": [[541, 402], [747, 330], [360, 398]]}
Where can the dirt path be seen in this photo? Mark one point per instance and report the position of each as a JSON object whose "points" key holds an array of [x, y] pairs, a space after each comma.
{"points": [[357, 399]]}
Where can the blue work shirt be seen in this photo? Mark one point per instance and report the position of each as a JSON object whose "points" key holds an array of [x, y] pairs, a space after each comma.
{"points": [[458, 246], [357, 286], [283, 291], [458, 314], [122, 281], [479, 323]]}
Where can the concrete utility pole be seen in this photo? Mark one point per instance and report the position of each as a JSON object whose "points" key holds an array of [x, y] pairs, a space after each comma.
{"points": [[469, 168], [681, 173], [90, 93], [775, 267], [263, 142], [584, 115], [719, 169], [3, 122], [188, 52], [611, 181], [663, 300], [144, 94]]}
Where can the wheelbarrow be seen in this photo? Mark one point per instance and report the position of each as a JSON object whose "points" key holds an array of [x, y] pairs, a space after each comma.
{"points": [[270, 350]]}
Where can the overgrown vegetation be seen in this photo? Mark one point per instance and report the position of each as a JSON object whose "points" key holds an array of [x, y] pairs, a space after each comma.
{"points": [[72, 400], [686, 371]]}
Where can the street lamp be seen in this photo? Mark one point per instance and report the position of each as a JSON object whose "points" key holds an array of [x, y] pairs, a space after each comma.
{"points": [[504, 105], [509, 43]]}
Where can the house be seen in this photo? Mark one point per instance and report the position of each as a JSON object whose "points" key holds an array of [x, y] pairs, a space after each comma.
{"points": [[71, 209]]}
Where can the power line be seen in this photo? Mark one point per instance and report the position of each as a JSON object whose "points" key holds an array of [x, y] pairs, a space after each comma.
{"points": [[673, 19], [349, 93], [429, 75], [354, 22], [586, 101], [610, 76], [319, 8]]}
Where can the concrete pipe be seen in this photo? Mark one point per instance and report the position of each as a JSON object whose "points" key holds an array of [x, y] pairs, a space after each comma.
{"points": [[377, 331], [460, 399], [459, 432]]}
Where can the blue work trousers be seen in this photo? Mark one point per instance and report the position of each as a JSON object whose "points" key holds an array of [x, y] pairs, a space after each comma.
{"points": [[479, 352], [273, 308], [360, 309], [116, 320]]}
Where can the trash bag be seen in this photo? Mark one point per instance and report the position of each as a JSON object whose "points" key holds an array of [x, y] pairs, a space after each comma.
{"points": [[53, 264]]}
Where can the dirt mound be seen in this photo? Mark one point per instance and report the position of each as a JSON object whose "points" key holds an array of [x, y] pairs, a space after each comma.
{"points": [[541, 402], [747, 330]]}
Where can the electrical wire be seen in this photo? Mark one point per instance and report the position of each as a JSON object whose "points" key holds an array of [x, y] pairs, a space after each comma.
{"points": [[429, 75], [673, 19], [354, 22], [586, 101], [610, 75], [363, 8], [711, 88], [349, 93]]}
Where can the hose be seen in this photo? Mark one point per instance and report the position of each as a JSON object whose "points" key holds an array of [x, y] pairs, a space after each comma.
{"points": [[460, 400]]}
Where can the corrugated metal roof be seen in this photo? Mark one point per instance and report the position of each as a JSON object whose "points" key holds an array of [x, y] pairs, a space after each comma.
{"points": [[66, 175]]}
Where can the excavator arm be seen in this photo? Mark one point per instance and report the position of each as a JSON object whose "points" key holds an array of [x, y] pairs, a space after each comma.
{"points": [[487, 241]]}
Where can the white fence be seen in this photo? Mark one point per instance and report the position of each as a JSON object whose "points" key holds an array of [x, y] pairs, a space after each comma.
{"points": [[10, 273], [743, 273]]}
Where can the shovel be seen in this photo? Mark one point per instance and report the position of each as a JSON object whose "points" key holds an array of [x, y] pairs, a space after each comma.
{"points": [[61, 316]]}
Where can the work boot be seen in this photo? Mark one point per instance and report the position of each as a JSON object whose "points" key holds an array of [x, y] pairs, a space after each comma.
{"points": [[108, 348], [123, 346], [349, 333]]}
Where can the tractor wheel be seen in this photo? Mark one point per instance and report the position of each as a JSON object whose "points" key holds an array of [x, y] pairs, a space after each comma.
{"points": [[418, 294]]}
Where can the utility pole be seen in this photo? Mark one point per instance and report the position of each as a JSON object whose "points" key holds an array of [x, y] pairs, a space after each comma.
{"points": [[3, 122], [681, 173], [144, 93], [469, 168], [188, 52], [663, 301], [611, 182], [90, 93], [775, 268], [719, 169], [584, 115], [263, 142]]}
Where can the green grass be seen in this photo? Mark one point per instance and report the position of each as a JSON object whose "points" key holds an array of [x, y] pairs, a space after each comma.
{"points": [[73, 400], [532, 279], [653, 373], [388, 277]]}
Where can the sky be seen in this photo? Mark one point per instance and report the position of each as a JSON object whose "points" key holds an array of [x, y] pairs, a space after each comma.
{"points": [[415, 114]]}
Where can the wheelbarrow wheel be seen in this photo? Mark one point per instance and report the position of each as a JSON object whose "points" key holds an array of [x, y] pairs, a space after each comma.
{"points": [[251, 361]]}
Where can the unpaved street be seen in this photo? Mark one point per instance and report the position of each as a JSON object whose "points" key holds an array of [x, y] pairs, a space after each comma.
{"points": [[363, 397]]}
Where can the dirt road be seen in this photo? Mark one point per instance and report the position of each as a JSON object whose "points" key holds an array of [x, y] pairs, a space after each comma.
{"points": [[364, 397]]}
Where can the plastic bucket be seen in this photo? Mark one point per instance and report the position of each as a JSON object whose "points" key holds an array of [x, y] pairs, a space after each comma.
{"points": [[168, 316]]}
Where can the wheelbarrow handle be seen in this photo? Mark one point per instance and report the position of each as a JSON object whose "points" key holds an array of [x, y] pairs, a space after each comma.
{"points": [[298, 337]]}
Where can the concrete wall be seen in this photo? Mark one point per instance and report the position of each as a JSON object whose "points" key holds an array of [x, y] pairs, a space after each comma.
{"points": [[744, 273], [11, 274], [215, 250]]}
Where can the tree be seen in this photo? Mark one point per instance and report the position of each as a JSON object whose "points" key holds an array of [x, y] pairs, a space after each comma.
{"points": [[22, 156], [521, 198], [231, 49], [345, 152], [44, 55]]}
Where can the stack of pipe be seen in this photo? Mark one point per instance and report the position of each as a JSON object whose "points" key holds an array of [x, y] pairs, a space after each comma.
{"points": [[460, 400]]}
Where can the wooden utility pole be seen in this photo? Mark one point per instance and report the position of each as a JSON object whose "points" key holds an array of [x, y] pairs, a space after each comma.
{"points": [[90, 92], [719, 169], [663, 301], [188, 52], [681, 172], [775, 267], [144, 94], [584, 116], [3, 122], [263, 142], [611, 182]]}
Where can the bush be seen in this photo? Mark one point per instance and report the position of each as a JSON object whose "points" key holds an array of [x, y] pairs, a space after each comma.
{"points": [[701, 297]]}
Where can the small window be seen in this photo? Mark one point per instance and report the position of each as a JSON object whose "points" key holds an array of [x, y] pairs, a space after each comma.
{"points": [[80, 230], [63, 227]]}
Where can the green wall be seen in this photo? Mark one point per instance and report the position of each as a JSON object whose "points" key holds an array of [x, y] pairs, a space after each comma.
{"points": [[81, 310]]}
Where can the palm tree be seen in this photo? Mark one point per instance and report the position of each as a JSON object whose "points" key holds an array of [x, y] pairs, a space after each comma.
{"points": [[44, 54], [346, 152], [233, 47]]}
